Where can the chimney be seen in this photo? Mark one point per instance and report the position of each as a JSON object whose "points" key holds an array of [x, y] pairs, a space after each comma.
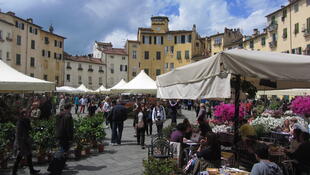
{"points": [[30, 20], [10, 13], [255, 31], [265, 30], [194, 27], [51, 28]]}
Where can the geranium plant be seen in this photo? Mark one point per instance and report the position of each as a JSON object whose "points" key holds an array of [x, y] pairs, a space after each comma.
{"points": [[226, 112], [301, 105]]}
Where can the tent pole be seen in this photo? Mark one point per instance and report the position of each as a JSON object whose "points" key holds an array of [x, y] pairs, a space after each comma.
{"points": [[237, 104]]}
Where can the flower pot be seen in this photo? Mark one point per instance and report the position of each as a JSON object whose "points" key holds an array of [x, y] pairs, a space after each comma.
{"points": [[4, 164], [100, 148]]}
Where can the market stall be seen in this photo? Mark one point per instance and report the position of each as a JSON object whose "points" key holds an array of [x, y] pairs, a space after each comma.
{"points": [[82, 88], [102, 89], [142, 83], [67, 89], [11, 81]]}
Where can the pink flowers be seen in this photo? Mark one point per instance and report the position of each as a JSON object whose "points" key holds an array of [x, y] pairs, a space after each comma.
{"points": [[226, 112], [301, 105]]}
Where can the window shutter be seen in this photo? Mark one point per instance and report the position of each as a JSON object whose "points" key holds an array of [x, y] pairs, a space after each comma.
{"points": [[150, 40], [126, 68], [162, 40], [155, 41], [143, 39], [175, 39], [121, 68], [190, 38]]}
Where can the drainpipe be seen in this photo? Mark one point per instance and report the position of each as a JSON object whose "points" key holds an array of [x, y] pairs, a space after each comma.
{"points": [[290, 29], [27, 32]]}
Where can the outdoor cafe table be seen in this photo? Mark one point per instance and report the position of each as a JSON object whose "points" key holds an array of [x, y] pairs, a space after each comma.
{"points": [[224, 170]]}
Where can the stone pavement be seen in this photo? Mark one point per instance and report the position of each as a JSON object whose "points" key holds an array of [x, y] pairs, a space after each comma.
{"points": [[125, 159]]}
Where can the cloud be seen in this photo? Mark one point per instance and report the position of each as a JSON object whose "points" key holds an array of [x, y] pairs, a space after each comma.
{"points": [[82, 22]]}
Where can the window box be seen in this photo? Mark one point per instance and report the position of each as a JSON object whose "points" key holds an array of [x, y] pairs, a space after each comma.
{"points": [[80, 68], [90, 70], [90, 83], [80, 82], [101, 71], [69, 67], [307, 33]]}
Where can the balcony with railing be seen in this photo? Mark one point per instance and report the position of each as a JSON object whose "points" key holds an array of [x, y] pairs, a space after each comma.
{"points": [[273, 44], [80, 68], [306, 32], [8, 38], [90, 70], [272, 27]]}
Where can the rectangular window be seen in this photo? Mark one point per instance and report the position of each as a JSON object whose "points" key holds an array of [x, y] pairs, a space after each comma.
{"points": [[80, 79], [158, 56], [134, 54], [32, 62], [157, 72], [179, 55], [186, 54], [308, 25], [55, 43], [121, 68], [123, 58], [33, 44], [296, 7], [112, 68], [55, 55], [126, 68], [7, 55], [100, 80], [100, 69], [170, 37], [146, 71], [49, 54], [172, 49], [36, 31], [43, 53], [146, 55], [284, 33], [251, 44], [166, 50], [30, 29], [31, 74], [166, 66], [0, 54], [45, 77], [1, 35], [189, 38], [263, 41], [134, 74], [17, 59], [218, 41], [296, 30], [182, 39], [90, 80], [60, 44], [171, 66], [18, 40], [46, 41], [68, 77]]}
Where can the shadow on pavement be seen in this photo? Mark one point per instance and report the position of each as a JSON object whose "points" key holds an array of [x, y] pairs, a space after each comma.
{"points": [[86, 167]]}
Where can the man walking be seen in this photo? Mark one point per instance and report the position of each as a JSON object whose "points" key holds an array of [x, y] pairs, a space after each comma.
{"points": [[173, 107], [64, 128], [76, 103], [159, 117], [118, 116]]}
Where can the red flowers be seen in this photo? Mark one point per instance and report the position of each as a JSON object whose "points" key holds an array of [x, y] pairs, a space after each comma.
{"points": [[226, 112], [301, 105]]}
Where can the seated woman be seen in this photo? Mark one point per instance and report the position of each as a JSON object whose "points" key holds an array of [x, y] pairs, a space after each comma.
{"points": [[286, 126], [210, 152], [178, 134], [188, 131]]}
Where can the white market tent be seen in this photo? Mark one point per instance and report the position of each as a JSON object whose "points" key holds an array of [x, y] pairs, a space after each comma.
{"points": [[12, 80], [119, 85], [82, 88], [142, 83], [67, 89], [291, 92], [102, 89], [210, 78]]}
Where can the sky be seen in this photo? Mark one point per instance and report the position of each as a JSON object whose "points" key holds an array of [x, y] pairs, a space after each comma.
{"points": [[83, 22]]}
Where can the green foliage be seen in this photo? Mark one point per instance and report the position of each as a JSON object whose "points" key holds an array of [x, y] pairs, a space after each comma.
{"points": [[43, 134], [260, 130], [154, 166], [7, 135], [274, 105]]}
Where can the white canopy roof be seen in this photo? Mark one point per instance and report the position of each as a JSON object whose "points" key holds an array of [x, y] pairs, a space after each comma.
{"points": [[82, 88], [12, 80], [67, 89], [142, 83], [210, 78], [292, 92], [102, 89], [119, 84]]}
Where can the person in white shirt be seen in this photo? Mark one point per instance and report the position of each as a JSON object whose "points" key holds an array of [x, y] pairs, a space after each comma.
{"points": [[106, 109], [83, 102], [159, 117]]}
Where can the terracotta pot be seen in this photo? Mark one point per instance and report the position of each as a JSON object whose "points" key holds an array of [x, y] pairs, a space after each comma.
{"points": [[100, 148], [4, 164]]}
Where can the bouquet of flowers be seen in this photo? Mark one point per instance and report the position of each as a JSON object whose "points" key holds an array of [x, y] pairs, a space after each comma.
{"points": [[226, 112], [301, 105]]}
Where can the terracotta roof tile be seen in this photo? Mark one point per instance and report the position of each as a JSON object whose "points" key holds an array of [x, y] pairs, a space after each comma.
{"points": [[84, 59], [115, 51]]}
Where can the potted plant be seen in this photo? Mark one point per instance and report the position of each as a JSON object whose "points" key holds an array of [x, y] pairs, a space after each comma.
{"points": [[7, 131], [154, 166]]}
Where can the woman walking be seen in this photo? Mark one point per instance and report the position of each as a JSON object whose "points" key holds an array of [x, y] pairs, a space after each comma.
{"points": [[22, 143], [140, 124]]}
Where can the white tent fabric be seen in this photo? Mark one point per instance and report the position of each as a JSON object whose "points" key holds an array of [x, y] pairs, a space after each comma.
{"points": [[102, 89], [142, 83], [12, 80], [210, 78], [119, 84], [292, 92], [67, 89], [82, 88]]}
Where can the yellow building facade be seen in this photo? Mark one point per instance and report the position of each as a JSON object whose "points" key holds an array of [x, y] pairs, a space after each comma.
{"points": [[26, 49], [159, 50]]}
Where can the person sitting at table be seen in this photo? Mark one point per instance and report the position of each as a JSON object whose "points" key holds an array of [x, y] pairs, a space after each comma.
{"points": [[295, 142], [188, 131], [210, 151], [178, 134], [302, 154], [286, 126], [296, 125], [264, 166]]}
